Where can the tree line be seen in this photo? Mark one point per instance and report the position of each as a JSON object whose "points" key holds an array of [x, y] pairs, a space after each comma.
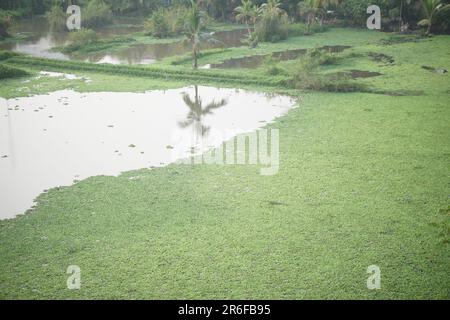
{"points": [[397, 15]]}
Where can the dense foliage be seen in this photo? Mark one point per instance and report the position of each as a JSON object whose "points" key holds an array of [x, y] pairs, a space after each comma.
{"points": [[5, 22], [396, 14], [96, 13], [272, 24], [82, 37], [56, 18], [166, 22]]}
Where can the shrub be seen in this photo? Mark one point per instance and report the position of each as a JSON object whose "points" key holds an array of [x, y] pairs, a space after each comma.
{"points": [[158, 24], [272, 66], [82, 37], [10, 72], [304, 75], [56, 18], [272, 27], [167, 22], [5, 23], [300, 29], [7, 54], [97, 45], [323, 57], [97, 13], [356, 9]]}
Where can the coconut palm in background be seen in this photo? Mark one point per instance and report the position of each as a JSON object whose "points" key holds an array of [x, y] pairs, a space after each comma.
{"points": [[194, 31], [247, 13], [431, 8], [272, 7]]}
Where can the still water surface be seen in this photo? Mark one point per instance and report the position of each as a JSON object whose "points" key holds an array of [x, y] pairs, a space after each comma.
{"points": [[42, 40], [53, 139]]}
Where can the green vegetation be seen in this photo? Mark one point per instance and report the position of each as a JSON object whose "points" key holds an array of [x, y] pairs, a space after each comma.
{"points": [[5, 23], [139, 71], [397, 15], [248, 13], [432, 8], [272, 25], [11, 72], [96, 13], [363, 176], [56, 18], [442, 222], [166, 22], [195, 24], [363, 180], [82, 37]]}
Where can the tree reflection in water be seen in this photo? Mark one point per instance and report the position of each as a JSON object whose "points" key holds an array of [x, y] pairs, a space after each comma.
{"points": [[197, 113]]}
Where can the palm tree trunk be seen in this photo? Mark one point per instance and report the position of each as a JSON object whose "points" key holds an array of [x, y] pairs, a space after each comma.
{"points": [[195, 59], [248, 29], [401, 16]]}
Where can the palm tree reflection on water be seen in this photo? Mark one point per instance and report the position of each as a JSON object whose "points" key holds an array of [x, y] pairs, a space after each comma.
{"points": [[197, 114]]}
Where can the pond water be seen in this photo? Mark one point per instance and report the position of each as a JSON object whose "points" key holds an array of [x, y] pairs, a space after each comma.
{"points": [[252, 62], [54, 139], [150, 53], [42, 40]]}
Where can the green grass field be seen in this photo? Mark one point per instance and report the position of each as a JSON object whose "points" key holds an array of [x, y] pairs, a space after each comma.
{"points": [[364, 180]]}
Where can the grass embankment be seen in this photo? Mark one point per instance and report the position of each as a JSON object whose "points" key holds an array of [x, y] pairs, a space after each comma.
{"points": [[368, 52], [363, 180], [7, 72], [201, 76], [335, 36]]}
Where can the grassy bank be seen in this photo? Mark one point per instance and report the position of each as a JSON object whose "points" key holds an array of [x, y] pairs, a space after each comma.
{"points": [[363, 181]]}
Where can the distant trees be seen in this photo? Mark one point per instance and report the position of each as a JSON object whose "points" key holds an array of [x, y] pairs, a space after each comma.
{"points": [[165, 22], [56, 17], [248, 14], [272, 24], [313, 8], [269, 20], [396, 14], [5, 23], [96, 13]]}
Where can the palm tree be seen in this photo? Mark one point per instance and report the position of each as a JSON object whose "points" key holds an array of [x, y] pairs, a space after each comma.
{"points": [[197, 112], [247, 13], [431, 8], [193, 31], [273, 7]]}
